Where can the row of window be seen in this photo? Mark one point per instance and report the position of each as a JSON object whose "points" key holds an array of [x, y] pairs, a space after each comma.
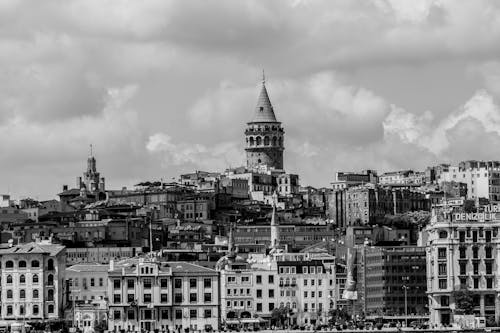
{"points": [[35, 310], [34, 264], [75, 282], [305, 270], [34, 279], [35, 294], [443, 283], [147, 298], [148, 283]]}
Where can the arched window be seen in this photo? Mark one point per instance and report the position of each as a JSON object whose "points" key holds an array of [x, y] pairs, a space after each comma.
{"points": [[258, 141], [50, 295], [280, 140], [22, 264], [287, 281], [9, 310], [50, 308], [251, 141], [9, 279], [22, 293], [22, 279], [35, 293], [21, 310], [35, 310], [9, 264], [275, 141], [50, 264], [35, 278], [281, 281], [50, 280], [35, 264], [294, 281], [9, 293], [266, 141]]}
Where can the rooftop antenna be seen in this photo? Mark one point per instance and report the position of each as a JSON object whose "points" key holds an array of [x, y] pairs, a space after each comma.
{"points": [[263, 77]]}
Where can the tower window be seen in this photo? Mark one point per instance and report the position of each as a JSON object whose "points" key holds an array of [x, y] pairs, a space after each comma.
{"points": [[259, 160], [261, 109]]}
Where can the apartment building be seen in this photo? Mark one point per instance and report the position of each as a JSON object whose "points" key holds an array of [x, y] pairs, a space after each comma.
{"points": [[147, 294], [33, 281], [463, 254]]}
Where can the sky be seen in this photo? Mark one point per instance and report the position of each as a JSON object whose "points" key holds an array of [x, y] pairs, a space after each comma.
{"points": [[161, 88]]}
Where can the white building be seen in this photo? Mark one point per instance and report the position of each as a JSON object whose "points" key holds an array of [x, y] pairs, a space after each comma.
{"points": [[33, 281]]}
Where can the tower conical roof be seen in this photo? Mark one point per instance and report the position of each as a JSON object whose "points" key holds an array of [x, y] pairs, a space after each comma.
{"points": [[264, 112]]}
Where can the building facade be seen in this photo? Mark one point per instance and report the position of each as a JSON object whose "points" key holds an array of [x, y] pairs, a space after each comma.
{"points": [[147, 294], [462, 254], [33, 281]]}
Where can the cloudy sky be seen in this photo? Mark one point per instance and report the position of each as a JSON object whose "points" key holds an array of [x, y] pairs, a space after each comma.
{"points": [[164, 87]]}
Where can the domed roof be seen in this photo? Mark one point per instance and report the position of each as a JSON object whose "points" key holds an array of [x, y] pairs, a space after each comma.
{"points": [[264, 112]]}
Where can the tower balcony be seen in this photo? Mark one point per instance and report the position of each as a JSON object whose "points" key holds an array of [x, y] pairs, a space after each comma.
{"points": [[251, 131]]}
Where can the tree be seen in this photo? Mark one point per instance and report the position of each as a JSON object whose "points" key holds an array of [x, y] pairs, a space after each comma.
{"points": [[464, 302], [338, 316], [279, 316]]}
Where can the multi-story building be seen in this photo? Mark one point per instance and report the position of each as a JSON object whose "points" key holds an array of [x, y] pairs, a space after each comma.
{"points": [[403, 177], [87, 282], [147, 294], [33, 281], [482, 178], [102, 255], [463, 254], [345, 180], [391, 277], [287, 184]]}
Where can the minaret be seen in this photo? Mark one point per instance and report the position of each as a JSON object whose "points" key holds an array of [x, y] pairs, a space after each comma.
{"points": [[275, 232], [264, 135]]}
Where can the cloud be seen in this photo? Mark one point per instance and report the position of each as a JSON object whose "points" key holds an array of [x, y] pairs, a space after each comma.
{"points": [[217, 157]]}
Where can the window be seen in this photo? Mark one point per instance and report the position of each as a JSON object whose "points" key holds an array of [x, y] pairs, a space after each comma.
{"points": [[208, 313], [164, 314], [192, 283], [259, 307], [270, 279], [461, 236], [148, 314], [462, 253], [271, 306], [475, 252], [116, 298], [50, 265], [207, 297], [9, 264], [463, 268], [130, 314], [305, 282], [443, 234], [193, 298], [443, 284], [101, 282], [259, 293], [489, 267], [9, 279], [193, 313], [22, 293], [488, 235], [489, 283], [35, 310], [164, 298], [475, 268], [92, 282], [50, 280], [442, 253], [147, 283], [476, 283], [442, 268], [305, 294], [207, 283], [258, 279], [35, 264], [177, 283], [22, 264], [130, 298], [147, 298], [50, 308], [117, 284], [9, 310], [178, 298], [35, 293], [9, 294], [271, 293], [474, 236], [178, 314], [130, 284], [488, 251]]}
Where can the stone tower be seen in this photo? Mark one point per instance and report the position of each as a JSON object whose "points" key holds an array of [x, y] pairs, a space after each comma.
{"points": [[264, 135]]}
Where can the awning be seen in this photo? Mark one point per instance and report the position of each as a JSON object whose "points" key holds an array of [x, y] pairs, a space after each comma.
{"points": [[250, 320], [232, 322]]}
